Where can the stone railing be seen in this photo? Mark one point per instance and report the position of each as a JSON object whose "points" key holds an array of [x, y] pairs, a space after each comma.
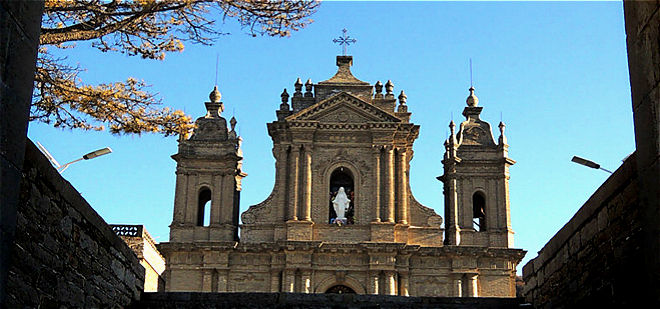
{"points": [[127, 230]]}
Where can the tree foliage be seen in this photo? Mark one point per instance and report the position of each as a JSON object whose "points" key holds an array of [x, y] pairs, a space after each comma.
{"points": [[145, 28]]}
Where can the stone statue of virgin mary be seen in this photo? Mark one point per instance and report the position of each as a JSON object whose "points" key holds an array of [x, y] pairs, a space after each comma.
{"points": [[340, 204]]}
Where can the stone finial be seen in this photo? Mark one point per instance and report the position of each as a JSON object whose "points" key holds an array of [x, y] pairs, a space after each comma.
{"points": [[378, 86], [232, 133], [308, 88], [403, 98], [232, 123], [389, 87], [502, 139], [285, 100], [215, 95], [298, 88], [285, 96], [214, 108], [472, 99]]}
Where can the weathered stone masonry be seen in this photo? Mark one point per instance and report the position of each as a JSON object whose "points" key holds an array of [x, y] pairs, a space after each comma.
{"points": [[64, 253]]}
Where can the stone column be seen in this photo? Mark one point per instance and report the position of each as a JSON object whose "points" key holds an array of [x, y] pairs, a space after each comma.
{"points": [[180, 198], [457, 284], [275, 280], [222, 280], [390, 283], [191, 201], [307, 174], [376, 152], [226, 206], [306, 282], [472, 287], [402, 195], [207, 280], [217, 194], [389, 182], [404, 284], [293, 183], [373, 282]]}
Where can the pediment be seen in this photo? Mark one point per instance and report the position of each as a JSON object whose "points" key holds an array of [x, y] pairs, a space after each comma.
{"points": [[343, 108]]}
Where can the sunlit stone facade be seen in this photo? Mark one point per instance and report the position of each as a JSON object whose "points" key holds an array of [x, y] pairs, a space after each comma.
{"points": [[342, 133]]}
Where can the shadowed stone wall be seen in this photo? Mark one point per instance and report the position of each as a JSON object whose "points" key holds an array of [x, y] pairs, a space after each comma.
{"points": [[19, 40], [643, 40], [183, 300], [64, 254], [589, 260]]}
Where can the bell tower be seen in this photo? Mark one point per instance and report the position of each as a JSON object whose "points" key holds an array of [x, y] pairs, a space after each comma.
{"points": [[208, 179], [476, 183]]}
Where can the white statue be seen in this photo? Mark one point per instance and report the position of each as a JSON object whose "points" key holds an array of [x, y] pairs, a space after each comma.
{"points": [[340, 204]]}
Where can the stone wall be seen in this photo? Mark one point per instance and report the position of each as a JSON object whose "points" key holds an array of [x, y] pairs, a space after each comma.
{"points": [[596, 257], [643, 41], [64, 254], [144, 246], [320, 301], [19, 40]]}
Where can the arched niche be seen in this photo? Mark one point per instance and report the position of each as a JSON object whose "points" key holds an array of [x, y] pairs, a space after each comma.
{"points": [[341, 177], [332, 280]]}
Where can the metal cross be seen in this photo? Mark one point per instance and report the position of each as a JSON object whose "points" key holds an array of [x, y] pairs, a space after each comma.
{"points": [[344, 41]]}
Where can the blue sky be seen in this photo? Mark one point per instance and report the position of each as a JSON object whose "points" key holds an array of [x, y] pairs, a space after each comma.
{"points": [[556, 72]]}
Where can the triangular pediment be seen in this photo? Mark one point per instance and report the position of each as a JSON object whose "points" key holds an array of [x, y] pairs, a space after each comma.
{"points": [[343, 108]]}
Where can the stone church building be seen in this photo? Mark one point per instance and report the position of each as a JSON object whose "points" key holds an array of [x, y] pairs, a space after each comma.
{"points": [[341, 217]]}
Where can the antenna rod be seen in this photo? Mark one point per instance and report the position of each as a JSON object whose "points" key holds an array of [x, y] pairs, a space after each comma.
{"points": [[471, 72], [217, 59]]}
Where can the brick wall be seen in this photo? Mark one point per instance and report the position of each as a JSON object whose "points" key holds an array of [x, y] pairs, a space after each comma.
{"points": [[592, 259], [64, 254]]}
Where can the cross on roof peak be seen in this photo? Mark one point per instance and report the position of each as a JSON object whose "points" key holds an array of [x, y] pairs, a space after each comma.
{"points": [[344, 41]]}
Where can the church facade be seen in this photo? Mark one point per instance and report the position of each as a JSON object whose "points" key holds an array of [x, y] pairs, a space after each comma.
{"points": [[341, 217]]}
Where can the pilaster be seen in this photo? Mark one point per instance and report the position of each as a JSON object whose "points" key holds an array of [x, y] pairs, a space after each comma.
{"points": [[402, 194], [389, 183], [293, 183], [377, 151]]}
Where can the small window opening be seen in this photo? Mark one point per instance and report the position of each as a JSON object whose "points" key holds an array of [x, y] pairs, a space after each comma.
{"points": [[204, 207], [342, 196], [479, 212]]}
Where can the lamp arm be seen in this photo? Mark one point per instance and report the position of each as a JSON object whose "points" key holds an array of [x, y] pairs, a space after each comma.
{"points": [[66, 165]]}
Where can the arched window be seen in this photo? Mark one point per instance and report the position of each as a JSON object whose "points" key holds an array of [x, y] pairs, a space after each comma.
{"points": [[204, 207], [479, 211], [342, 178], [340, 289]]}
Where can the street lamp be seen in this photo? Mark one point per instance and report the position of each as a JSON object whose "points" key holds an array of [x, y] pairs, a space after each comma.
{"points": [[588, 163], [61, 168]]}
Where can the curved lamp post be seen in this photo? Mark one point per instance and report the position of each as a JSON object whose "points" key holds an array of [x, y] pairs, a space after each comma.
{"points": [[61, 168]]}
